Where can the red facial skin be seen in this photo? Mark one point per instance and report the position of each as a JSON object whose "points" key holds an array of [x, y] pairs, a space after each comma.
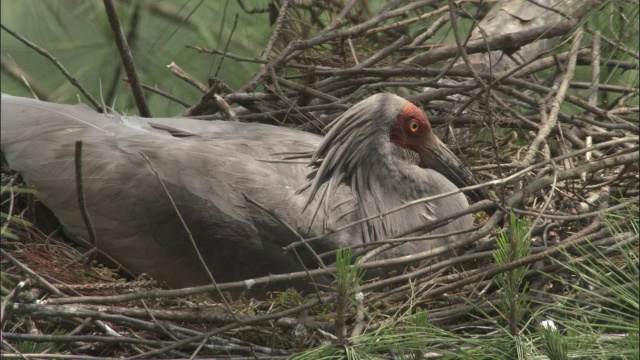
{"points": [[411, 129]]}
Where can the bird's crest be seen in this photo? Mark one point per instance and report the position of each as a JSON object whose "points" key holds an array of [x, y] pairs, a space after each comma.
{"points": [[347, 152]]}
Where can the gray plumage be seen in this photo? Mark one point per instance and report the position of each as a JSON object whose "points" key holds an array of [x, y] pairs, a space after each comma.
{"points": [[367, 164]]}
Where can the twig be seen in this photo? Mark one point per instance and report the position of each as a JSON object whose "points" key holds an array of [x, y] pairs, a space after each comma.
{"points": [[9, 301], [128, 315], [51, 356], [512, 41], [547, 201], [15, 71], [618, 45], [165, 10], [441, 222], [39, 279], [593, 88], [223, 329], [134, 21], [402, 23], [156, 322], [251, 85], [226, 47], [181, 74], [12, 198], [297, 235], [552, 118], [573, 100], [210, 96], [83, 338], [498, 269], [462, 52], [371, 61], [307, 90], [353, 51], [248, 59], [67, 74], [163, 94], [426, 270], [359, 320], [310, 119], [578, 216], [48, 311], [82, 203], [431, 31], [295, 48], [127, 59], [338, 19], [186, 229], [224, 107]]}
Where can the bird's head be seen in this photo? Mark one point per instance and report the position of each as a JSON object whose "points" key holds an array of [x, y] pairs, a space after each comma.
{"points": [[386, 121], [410, 129]]}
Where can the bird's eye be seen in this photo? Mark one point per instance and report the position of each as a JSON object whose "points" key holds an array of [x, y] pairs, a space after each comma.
{"points": [[414, 126]]}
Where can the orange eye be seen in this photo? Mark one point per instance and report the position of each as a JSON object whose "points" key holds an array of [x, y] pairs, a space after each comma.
{"points": [[414, 126]]}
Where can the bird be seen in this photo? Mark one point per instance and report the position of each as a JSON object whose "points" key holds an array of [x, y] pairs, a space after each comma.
{"points": [[243, 191]]}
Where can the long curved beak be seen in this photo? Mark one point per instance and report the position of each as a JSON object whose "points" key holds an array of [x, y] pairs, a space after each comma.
{"points": [[441, 159]]}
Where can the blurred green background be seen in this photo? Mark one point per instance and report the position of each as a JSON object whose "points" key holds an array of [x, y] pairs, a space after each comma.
{"points": [[78, 34]]}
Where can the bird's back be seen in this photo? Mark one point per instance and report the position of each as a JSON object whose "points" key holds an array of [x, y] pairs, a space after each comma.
{"points": [[207, 175]]}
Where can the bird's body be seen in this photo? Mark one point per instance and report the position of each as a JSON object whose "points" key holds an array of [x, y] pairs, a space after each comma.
{"points": [[210, 169]]}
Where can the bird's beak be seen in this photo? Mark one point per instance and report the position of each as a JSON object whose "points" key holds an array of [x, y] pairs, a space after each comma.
{"points": [[442, 160]]}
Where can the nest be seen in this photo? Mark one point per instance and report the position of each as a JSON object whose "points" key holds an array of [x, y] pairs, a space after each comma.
{"points": [[560, 161]]}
